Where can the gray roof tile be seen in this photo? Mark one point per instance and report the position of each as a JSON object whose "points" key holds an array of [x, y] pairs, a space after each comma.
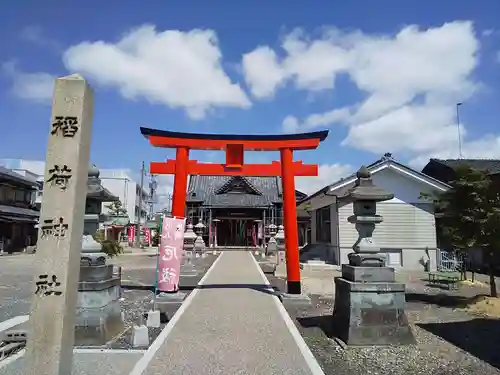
{"points": [[204, 188], [490, 165]]}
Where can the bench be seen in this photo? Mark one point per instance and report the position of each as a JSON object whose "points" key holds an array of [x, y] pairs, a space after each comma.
{"points": [[444, 278]]}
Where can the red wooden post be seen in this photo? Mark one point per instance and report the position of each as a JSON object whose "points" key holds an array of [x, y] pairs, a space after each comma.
{"points": [[290, 218], [180, 182]]}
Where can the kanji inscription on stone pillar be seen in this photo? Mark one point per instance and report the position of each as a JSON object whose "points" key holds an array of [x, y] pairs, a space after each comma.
{"points": [[49, 348]]}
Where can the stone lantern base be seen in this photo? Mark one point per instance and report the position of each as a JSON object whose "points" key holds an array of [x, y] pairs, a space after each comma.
{"points": [[370, 307]]}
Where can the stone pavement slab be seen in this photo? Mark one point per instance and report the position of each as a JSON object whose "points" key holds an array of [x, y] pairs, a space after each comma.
{"points": [[232, 324], [88, 363]]}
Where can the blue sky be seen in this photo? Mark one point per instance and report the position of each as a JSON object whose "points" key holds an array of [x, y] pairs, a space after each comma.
{"points": [[382, 78]]}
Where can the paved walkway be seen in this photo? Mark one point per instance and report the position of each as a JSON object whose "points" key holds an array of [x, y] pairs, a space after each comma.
{"points": [[230, 325]]}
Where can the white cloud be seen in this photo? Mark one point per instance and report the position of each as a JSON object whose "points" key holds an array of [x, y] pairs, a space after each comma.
{"points": [[174, 68], [319, 120], [34, 34], [487, 147], [311, 66], [262, 72], [327, 174], [37, 87], [34, 166], [411, 82]]}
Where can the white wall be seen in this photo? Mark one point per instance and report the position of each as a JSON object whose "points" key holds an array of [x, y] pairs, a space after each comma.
{"points": [[121, 184], [409, 223]]}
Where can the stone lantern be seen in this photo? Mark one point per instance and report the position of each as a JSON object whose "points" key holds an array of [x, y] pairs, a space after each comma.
{"points": [[365, 196], [369, 305], [199, 244], [280, 241], [98, 307], [187, 267], [272, 246]]}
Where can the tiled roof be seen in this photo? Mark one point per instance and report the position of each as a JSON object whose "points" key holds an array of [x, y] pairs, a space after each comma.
{"points": [[18, 211], [14, 177], [204, 188], [491, 165]]}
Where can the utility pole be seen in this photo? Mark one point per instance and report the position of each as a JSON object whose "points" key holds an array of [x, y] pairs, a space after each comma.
{"points": [[138, 235], [460, 156]]}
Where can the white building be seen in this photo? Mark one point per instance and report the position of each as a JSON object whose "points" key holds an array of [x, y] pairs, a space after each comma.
{"points": [[35, 177], [120, 183], [408, 233]]}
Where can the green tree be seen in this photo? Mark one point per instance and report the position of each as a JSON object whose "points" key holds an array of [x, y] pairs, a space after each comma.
{"points": [[470, 215], [116, 209], [109, 247]]}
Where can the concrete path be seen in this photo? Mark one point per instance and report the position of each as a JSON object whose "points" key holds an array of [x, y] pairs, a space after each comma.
{"points": [[232, 324], [85, 362]]}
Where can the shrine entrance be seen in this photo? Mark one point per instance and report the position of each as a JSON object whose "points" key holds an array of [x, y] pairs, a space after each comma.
{"points": [[234, 147]]}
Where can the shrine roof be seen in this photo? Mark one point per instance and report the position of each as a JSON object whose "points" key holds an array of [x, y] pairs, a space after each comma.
{"points": [[206, 190], [166, 138]]}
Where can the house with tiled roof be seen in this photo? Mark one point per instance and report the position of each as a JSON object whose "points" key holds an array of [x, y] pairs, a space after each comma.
{"points": [[444, 169], [407, 235], [237, 210], [17, 212]]}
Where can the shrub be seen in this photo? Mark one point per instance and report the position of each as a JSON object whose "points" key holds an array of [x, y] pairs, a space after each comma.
{"points": [[110, 247]]}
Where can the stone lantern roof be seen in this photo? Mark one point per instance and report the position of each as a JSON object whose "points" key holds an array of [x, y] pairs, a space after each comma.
{"points": [[95, 190], [365, 190]]}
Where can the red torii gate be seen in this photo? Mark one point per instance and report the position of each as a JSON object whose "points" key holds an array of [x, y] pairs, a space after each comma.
{"points": [[235, 146]]}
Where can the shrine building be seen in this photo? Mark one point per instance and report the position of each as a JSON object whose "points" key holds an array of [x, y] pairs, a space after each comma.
{"points": [[240, 209]]}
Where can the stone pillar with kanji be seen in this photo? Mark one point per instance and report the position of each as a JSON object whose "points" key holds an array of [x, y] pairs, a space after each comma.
{"points": [[49, 348]]}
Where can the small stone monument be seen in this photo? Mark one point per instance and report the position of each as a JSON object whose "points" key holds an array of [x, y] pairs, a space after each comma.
{"points": [[369, 305], [187, 267], [199, 244], [272, 245], [280, 241], [49, 348], [98, 310]]}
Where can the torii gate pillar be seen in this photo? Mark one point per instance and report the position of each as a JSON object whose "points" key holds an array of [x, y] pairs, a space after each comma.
{"points": [[180, 182], [290, 219]]}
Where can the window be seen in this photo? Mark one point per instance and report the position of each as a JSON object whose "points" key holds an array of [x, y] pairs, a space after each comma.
{"points": [[323, 229], [19, 196], [10, 195], [3, 194]]}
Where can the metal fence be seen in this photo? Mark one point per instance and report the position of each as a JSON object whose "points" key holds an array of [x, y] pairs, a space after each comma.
{"points": [[450, 261]]}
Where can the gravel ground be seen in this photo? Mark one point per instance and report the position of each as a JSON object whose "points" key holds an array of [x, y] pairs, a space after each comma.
{"points": [[137, 293], [138, 296], [449, 341]]}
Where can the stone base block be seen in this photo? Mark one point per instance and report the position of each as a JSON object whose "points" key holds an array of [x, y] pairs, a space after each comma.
{"points": [[96, 273], [97, 315], [163, 300], [188, 270], [97, 298], [153, 319], [366, 260], [368, 274], [295, 299], [97, 326], [98, 285], [140, 336], [93, 259], [371, 313]]}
